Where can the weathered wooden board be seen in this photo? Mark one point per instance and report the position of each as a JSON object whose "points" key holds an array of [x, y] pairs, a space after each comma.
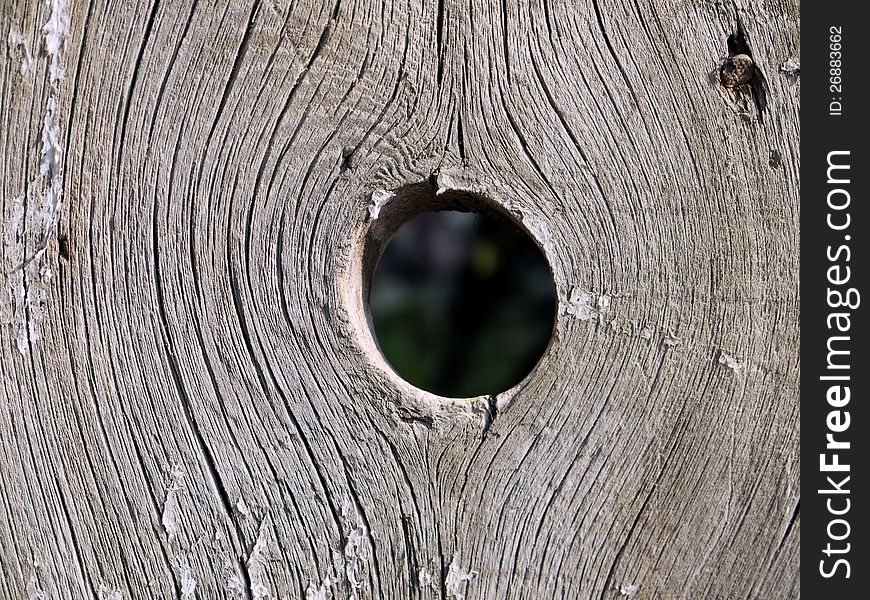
{"points": [[192, 405]]}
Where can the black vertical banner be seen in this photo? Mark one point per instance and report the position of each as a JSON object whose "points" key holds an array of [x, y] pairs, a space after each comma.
{"points": [[835, 227]]}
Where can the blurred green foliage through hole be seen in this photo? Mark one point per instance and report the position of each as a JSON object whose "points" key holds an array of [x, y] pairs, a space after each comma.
{"points": [[462, 304]]}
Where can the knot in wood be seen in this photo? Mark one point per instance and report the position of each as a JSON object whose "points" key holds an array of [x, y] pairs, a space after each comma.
{"points": [[736, 70]]}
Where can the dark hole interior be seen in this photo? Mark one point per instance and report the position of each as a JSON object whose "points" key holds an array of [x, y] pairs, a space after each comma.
{"points": [[462, 304]]}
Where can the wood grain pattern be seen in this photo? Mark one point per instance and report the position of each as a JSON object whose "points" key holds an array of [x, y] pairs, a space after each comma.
{"points": [[191, 403]]}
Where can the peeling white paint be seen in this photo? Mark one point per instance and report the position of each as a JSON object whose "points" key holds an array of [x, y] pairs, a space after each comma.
{"points": [[457, 579], [629, 590], [379, 199], [49, 163], [44, 194], [55, 31]]}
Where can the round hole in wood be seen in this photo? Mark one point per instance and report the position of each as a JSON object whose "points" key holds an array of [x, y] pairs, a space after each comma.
{"points": [[460, 299]]}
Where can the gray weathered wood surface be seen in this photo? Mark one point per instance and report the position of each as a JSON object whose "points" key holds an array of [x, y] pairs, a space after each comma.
{"points": [[191, 402]]}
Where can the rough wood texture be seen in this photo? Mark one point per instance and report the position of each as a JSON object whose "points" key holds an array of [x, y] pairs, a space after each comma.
{"points": [[191, 404]]}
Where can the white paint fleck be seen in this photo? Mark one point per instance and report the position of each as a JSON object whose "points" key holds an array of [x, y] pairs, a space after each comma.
{"points": [[646, 333], [587, 305], [424, 577], [379, 199], [105, 592], [22, 340], [260, 591], [321, 592], [34, 591], [188, 583], [242, 507], [257, 561], [355, 555], [730, 362], [580, 305], [671, 340], [17, 40], [235, 587], [629, 590], [791, 67], [603, 304], [171, 512], [457, 580], [356, 549]]}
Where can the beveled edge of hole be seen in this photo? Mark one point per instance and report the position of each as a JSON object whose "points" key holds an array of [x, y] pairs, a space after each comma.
{"points": [[404, 204]]}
